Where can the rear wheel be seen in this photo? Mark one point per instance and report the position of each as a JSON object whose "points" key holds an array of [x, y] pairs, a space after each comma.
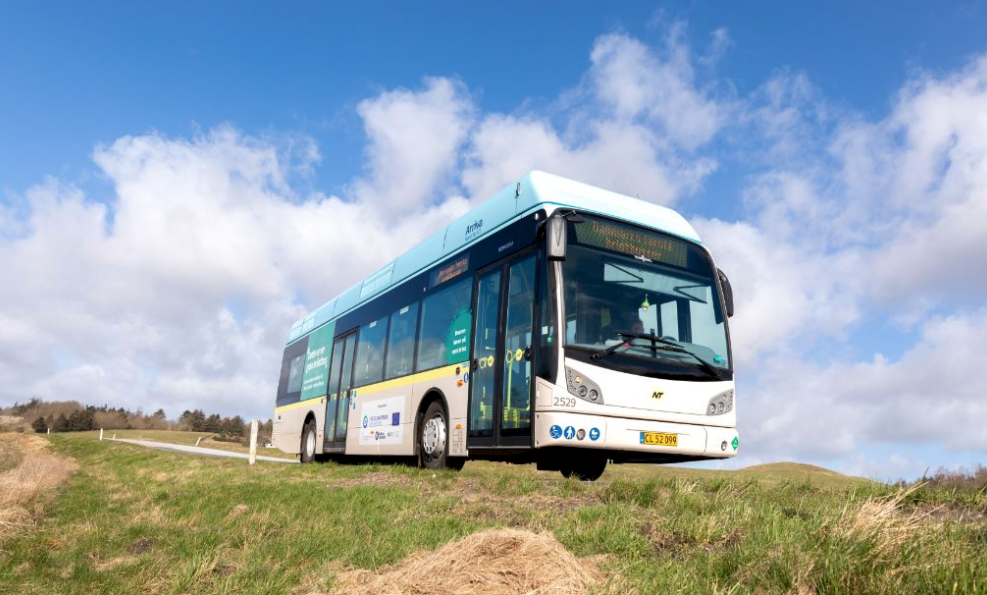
{"points": [[308, 442], [433, 441]]}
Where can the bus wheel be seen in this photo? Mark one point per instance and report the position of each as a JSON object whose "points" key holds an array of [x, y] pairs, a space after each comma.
{"points": [[432, 438], [308, 442], [587, 468]]}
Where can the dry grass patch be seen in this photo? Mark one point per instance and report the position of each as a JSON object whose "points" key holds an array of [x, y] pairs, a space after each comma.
{"points": [[882, 522], [495, 562], [25, 488]]}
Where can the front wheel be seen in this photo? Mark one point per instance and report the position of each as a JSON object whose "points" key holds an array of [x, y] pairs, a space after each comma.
{"points": [[586, 468], [308, 442], [433, 442]]}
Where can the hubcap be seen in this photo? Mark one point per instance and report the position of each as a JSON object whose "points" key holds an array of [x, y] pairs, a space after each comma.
{"points": [[310, 444], [434, 437]]}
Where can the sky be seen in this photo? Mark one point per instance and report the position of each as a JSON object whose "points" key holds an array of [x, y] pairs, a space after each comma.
{"points": [[179, 182]]}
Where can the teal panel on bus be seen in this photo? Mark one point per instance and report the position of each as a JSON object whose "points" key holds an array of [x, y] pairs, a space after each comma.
{"points": [[458, 339], [316, 376], [424, 254], [485, 218]]}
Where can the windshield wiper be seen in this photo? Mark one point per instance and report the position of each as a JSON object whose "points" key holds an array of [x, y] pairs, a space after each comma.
{"points": [[666, 346]]}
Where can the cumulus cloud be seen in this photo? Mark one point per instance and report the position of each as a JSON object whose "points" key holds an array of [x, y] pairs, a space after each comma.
{"points": [[632, 125], [824, 412], [179, 292], [413, 141]]}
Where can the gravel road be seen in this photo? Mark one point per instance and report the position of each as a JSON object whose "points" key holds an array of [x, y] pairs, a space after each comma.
{"points": [[199, 450]]}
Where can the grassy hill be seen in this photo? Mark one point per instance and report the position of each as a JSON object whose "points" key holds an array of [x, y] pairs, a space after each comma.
{"points": [[138, 520]]}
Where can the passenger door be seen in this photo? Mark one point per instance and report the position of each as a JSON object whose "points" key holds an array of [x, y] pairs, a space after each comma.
{"points": [[500, 373], [340, 382]]}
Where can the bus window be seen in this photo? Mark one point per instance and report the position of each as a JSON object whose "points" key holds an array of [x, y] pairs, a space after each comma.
{"points": [[445, 333], [370, 353], [295, 375], [401, 342]]}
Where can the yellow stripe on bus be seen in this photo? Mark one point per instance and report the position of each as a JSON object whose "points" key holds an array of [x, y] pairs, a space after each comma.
{"points": [[435, 374], [304, 403]]}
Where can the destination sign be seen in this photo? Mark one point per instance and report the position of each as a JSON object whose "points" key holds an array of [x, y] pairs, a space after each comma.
{"points": [[640, 244], [449, 271]]}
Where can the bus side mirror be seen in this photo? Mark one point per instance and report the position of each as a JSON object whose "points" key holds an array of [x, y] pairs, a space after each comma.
{"points": [[555, 237], [727, 291]]}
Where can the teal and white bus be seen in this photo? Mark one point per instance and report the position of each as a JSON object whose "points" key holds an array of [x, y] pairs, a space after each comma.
{"points": [[555, 323]]}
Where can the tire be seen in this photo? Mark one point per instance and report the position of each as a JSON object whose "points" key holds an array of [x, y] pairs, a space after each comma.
{"points": [[586, 468], [308, 442], [433, 438]]}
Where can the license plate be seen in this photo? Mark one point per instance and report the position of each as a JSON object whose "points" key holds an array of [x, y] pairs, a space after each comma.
{"points": [[659, 439]]}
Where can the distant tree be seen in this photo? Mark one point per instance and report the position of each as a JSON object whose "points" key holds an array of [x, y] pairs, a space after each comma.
{"points": [[82, 420], [213, 424], [39, 425], [193, 421], [61, 424]]}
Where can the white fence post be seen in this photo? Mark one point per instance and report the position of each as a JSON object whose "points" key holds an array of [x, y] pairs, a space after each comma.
{"points": [[197, 440], [101, 434], [253, 441], [49, 431]]}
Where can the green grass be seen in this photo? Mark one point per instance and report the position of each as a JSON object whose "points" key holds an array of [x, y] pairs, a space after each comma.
{"points": [[141, 520]]}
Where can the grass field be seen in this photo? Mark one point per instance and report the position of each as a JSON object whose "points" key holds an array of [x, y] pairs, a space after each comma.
{"points": [[133, 520]]}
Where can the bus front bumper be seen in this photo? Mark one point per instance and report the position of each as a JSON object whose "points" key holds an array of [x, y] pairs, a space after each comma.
{"points": [[575, 430]]}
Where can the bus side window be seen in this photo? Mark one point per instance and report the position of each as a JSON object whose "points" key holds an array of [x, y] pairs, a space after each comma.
{"points": [[295, 375], [401, 342], [370, 353], [444, 337]]}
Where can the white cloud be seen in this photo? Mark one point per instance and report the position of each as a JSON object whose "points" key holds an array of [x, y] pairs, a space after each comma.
{"points": [[633, 126], [413, 141], [928, 396], [183, 296]]}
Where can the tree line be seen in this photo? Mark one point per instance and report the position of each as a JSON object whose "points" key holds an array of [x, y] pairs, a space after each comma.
{"points": [[72, 416]]}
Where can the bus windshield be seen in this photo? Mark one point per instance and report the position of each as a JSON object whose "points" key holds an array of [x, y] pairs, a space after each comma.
{"points": [[620, 278]]}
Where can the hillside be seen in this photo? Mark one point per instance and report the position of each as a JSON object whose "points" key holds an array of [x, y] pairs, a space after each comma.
{"points": [[138, 520]]}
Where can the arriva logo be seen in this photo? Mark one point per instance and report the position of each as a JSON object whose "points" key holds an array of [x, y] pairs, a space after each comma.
{"points": [[474, 228]]}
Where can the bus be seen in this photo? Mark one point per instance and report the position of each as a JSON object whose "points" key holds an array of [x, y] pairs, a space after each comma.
{"points": [[556, 323]]}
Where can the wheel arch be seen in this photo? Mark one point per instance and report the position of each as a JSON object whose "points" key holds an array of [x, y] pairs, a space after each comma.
{"points": [[431, 396]]}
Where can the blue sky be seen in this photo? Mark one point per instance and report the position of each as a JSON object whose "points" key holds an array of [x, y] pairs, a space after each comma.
{"points": [[825, 152], [77, 74]]}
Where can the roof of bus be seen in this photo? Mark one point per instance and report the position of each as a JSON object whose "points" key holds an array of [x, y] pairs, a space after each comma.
{"points": [[533, 191]]}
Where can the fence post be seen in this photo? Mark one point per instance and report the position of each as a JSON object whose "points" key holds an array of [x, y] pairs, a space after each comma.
{"points": [[101, 434], [197, 440], [49, 431], [253, 441]]}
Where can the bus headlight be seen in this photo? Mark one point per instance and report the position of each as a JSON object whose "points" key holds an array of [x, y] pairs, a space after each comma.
{"points": [[581, 386], [720, 404]]}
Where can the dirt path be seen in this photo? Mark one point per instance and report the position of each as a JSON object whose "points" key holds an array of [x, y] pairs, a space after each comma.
{"points": [[26, 487]]}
